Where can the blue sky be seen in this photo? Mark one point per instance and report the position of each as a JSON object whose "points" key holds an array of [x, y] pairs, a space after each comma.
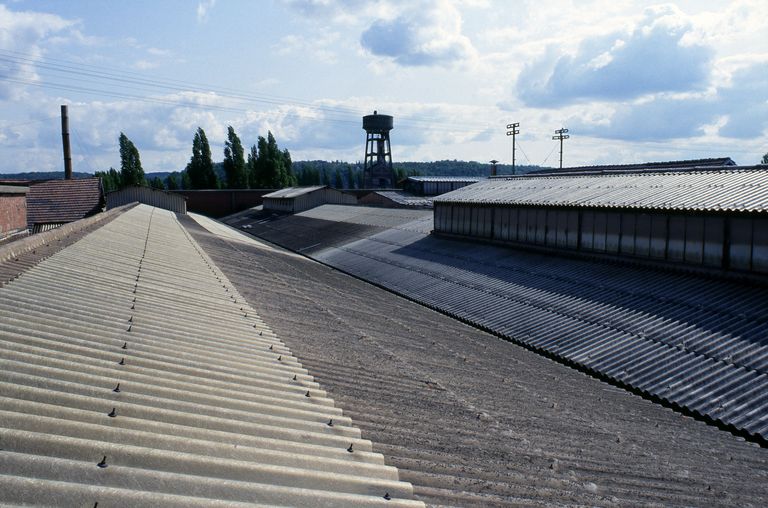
{"points": [[632, 81]]}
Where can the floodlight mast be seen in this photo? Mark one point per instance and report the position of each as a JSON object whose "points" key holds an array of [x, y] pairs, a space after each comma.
{"points": [[561, 135], [513, 131]]}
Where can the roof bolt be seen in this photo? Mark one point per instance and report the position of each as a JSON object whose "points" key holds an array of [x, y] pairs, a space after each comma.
{"points": [[307, 394], [280, 358], [260, 333], [130, 319], [133, 306], [387, 496], [350, 448], [122, 361], [112, 413], [294, 377], [330, 422], [103, 462], [125, 345], [117, 388], [270, 347]]}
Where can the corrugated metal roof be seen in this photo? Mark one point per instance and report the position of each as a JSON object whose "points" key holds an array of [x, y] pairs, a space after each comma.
{"points": [[738, 189], [696, 342], [133, 373], [292, 192]]}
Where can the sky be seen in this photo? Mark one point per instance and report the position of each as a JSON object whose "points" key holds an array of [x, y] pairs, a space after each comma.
{"points": [[631, 81]]}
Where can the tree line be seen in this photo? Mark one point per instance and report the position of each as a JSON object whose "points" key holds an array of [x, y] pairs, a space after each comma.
{"points": [[266, 166]]}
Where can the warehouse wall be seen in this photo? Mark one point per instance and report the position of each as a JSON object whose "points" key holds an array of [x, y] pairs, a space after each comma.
{"points": [[713, 240]]}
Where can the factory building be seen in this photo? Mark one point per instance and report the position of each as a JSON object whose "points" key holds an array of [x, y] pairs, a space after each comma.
{"points": [[436, 185], [703, 217]]}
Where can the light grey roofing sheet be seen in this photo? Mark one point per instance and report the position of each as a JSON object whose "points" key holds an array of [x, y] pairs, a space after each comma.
{"points": [[412, 220], [740, 189], [292, 192], [695, 342], [403, 198], [133, 373], [13, 189], [446, 178]]}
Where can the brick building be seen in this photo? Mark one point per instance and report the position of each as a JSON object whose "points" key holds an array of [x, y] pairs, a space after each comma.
{"points": [[13, 211]]}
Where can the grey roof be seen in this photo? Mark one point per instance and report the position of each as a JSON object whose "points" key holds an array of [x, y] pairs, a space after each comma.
{"points": [[406, 199], [13, 189], [692, 341], [470, 419], [689, 165], [293, 192], [132, 372], [446, 178], [740, 189]]}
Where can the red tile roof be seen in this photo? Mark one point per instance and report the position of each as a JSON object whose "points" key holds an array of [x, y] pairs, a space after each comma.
{"points": [[60, 201]]}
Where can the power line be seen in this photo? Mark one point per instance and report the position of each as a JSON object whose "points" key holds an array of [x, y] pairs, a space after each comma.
{"points": [[561, 136]]}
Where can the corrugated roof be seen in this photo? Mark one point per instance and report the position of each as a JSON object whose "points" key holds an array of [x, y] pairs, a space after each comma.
{"points": [[133, 373], [61, 201], [469, 419], [446, 178], [691, 164], [293, 192], [696, 342], [406, 199], [739, 189]]}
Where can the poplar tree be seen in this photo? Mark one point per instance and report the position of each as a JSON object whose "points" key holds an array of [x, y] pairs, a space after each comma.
{"points": [[200, 167], [131, 172], [234, 161]]}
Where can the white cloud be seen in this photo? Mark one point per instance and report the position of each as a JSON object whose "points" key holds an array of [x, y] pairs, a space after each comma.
{"points": [[650, 58], [204, 10], [21, 35], [425, 35]]}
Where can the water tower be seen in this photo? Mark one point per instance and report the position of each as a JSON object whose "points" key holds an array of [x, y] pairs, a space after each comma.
{"points": [[377, 169]]}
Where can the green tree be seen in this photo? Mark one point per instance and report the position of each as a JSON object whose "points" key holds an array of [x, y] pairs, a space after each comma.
{"points": [[234, 161], [252, 169], [200, 167], [131, 172], [765, 159], [186, 183], [157, 183], [110, 180], [172, 182]]}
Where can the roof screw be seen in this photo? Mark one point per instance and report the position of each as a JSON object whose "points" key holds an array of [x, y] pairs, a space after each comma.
{"points": [[112, 413], [122, 361], [129, 327], [350, 448], [387, 496], [270, 347], [103, 462], [307, 394], [330, 422], [280, 358], [294, 377], [117, 388], [125, 345], [133, 306], [130, 319], [260, 333]]}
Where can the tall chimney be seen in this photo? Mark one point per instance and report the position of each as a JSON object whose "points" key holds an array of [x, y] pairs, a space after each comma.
{"points": [[493, 167], [65, 142]]}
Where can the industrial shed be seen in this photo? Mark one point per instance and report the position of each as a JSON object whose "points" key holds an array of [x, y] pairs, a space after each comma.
{"points": [[52, 203], [146, 195], [298, 199], [435, 185], [395, 199], [714, 218]]}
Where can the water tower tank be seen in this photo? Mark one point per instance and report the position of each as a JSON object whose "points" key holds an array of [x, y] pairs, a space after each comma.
{"points": [[377, 168]]}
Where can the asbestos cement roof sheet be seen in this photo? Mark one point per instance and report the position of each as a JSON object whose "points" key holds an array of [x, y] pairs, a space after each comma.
{"points": [[695, 342], [467, 179], [733, 189], [688, 165], [293, 192], [133, 373]]}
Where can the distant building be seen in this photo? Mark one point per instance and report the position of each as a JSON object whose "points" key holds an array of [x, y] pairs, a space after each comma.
{"points": [[395, 199], [436, 185], [148, 196], [298, 199], [13, 211], [53, 203], [714, 217]]}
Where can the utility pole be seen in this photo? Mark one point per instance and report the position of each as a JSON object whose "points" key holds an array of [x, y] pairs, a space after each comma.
{"points": [[65, 143], [561, 135], [513, 131]]}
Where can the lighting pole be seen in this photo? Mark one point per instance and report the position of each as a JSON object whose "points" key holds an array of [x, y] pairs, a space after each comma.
{"points": [[513, 131], [561, 135]]}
